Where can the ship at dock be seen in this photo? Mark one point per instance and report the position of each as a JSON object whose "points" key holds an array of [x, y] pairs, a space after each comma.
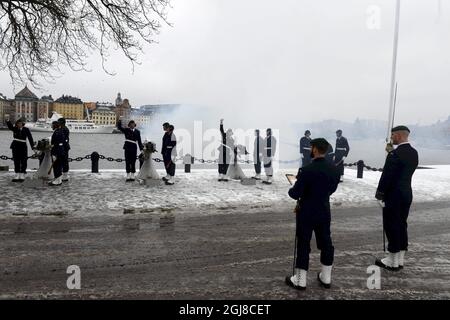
{"points": [[75, 126]]}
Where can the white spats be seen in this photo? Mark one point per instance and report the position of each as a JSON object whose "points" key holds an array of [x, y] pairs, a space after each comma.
{"points": [[56, 182], [390, 262], [299, 278], [65, 177], [257, 176], [401, 258], [21, 177], [170, 181], [16, 177], [269, 180], [325, 276]]}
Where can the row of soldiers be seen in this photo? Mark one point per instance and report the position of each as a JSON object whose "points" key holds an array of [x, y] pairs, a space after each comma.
{"points": [[60, 149], [336, 156]]}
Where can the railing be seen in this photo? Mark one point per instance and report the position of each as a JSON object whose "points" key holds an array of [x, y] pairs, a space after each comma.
{"points": [[188, 160]]}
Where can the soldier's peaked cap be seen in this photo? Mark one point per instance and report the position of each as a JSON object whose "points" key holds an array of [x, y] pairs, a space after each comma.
{"points": [[400, 128], [339, 131], [320, 142], [307, 132]]}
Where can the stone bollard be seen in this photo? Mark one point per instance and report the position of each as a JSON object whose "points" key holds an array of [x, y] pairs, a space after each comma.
{"points": [[360, 165], [95, 157], [188, 160]]}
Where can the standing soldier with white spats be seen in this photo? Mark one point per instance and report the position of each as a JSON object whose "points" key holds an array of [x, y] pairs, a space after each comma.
{"points": [[394, 189], [132, 142], [270, 147], [257, 154], [65, 174], [312, 190], [58, 152], [305, 148], [169, 153], [341, 152], [19, 148]]}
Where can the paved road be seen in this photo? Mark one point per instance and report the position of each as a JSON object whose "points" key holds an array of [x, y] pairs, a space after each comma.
{"points": [[223, 256]]}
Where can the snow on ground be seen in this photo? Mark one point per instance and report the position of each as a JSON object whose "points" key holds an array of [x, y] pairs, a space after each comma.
{"points": [[196, 193]]}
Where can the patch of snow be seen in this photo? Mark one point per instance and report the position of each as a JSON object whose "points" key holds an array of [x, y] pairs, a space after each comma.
{"points": [[198, 192]]}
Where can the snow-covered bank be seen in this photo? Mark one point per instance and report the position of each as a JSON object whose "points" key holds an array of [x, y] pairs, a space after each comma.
{"points": [[198, 192]]}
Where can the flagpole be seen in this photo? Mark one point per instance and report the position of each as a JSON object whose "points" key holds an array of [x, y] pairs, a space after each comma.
{"points": [[393, 74]]}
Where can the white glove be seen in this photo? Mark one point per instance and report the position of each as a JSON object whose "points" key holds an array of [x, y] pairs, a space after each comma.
{"points": [[302, 156], [343, 158]]}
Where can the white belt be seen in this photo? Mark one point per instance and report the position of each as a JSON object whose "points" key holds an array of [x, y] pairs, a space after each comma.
{"points": [[268, 148], [306, 148], [132, 141], [169, 147], [20, 140], [344, 149], [224, 145], [60, 144]]}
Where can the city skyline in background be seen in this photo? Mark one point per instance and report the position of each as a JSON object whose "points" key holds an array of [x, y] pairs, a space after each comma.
{"points": [[311, 61]]}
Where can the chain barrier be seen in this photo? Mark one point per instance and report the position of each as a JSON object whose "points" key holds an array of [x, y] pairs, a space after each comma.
{"points": [[202, 161]]}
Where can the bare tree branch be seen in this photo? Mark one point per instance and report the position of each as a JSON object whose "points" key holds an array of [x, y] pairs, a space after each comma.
{"points": [[37, 37]]}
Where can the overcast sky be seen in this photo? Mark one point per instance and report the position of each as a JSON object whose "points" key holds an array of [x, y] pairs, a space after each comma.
{"points": [[293, 60]]}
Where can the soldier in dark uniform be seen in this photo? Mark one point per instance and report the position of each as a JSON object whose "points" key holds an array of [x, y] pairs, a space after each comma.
{"points": [[65, 174], [394, 189], [132, 142], [330, 154], [341, 152], [257, 154], [19, 148], [225, 150], [270, 148], [169, 153], [305, 148], [163, 148], [58, 142], [315, 183]]}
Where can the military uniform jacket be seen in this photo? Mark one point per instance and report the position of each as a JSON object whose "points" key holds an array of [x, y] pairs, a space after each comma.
{"points": [[131, 137], [169, 144], [315, 184], [305, 146], [20, 136], [67, 134], [270, 147], [226, 147], [258, 146], [342, 147], [58, 142], [395, 181]]}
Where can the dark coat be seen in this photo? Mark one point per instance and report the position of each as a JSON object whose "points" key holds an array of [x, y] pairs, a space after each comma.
{"points": [[305, 146], [58, 142], [132, 135], [67, 134], [22, 134], [342, 148], [226, 147], [395, 181], [169, 142], [315, 184]]}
